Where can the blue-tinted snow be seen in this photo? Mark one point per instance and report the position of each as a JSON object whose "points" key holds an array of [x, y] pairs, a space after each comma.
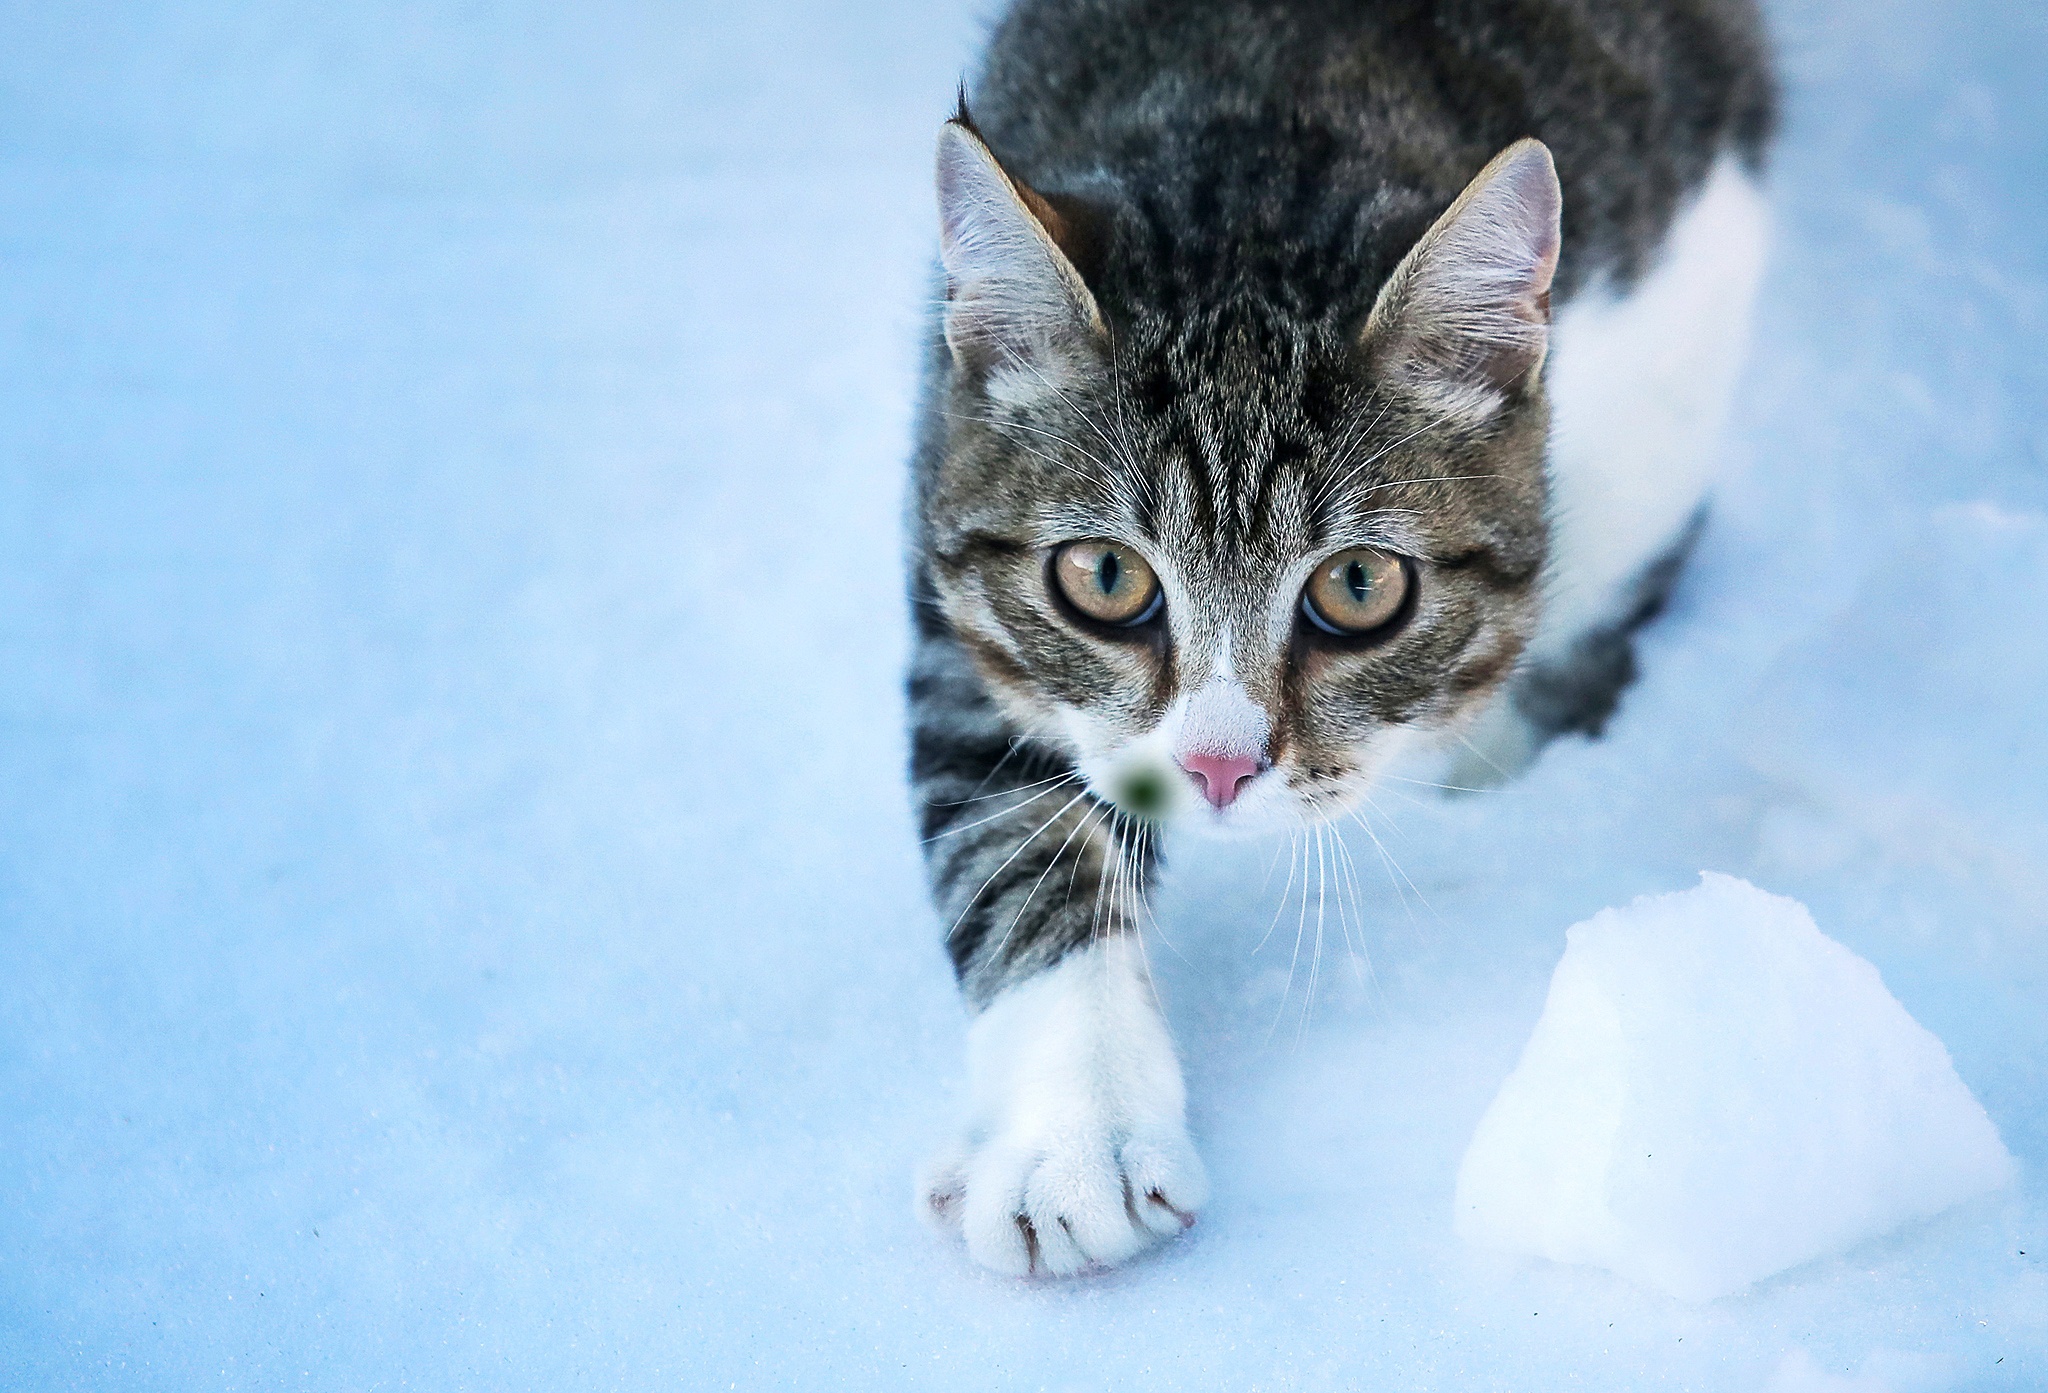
{"points": [[459, 921]]}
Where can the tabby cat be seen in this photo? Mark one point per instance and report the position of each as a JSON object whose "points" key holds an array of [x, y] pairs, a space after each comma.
{"points": [[1315, 382]]}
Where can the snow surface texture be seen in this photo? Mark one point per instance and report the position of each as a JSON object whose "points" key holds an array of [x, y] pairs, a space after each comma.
{"points": [[1717, 1091], [460, 923]]}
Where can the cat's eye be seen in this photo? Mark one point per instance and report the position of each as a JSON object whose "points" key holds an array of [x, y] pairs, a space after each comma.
{"points": [[1107, 582], [1356, 592]]}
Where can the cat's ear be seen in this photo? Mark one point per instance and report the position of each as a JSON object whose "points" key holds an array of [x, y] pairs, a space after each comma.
{"points": [[1012, 294], [1464, 321]]}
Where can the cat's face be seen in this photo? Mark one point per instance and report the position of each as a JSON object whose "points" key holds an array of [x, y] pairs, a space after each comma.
{"points": [[1230, 566]]}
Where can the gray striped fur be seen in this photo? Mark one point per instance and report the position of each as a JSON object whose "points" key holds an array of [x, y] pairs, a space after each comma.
{"points": [[1234, 183]]}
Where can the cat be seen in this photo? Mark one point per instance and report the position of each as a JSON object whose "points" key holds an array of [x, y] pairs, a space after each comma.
{"points": [[1314, 383]]}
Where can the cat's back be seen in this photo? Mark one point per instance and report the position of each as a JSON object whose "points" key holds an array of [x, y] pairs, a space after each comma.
{"points": [[1287, 114]]}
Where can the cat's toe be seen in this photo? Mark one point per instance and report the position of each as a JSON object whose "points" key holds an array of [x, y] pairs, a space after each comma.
{"points": [[1081, 1193], [992, 1219], [1060, 1208], [1168, 1182], [942, 1188]]}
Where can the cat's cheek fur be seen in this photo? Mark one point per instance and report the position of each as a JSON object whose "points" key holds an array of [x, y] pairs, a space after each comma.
{"points": [[1075, 1150]]}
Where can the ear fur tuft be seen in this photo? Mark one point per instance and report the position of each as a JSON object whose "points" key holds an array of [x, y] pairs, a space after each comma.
{"points": [[1464, 321], [1011, 291]]}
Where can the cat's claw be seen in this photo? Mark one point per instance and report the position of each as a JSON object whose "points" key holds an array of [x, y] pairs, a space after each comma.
{"points": [[1061, 1205]]}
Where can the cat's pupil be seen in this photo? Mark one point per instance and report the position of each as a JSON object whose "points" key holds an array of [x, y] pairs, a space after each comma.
{"points": [[1107, 572], [1357, 582]]}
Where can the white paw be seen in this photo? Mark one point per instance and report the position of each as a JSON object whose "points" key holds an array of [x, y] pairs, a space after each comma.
{"points": [[1077, 1151], [1060, 1203]]}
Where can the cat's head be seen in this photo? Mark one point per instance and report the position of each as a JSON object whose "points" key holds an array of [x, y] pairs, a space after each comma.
{"points": [[1225, 541]]}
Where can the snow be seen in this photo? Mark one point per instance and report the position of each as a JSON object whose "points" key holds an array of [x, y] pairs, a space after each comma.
{"points": [[460, 924], [1883, 1371], [1717, 1091]]}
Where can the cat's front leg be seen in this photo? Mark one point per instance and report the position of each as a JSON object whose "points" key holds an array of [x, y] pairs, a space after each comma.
{"points": [[1076, 1148]]}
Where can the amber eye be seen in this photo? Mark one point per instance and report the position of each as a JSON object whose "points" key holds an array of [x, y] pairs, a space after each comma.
{"points": [[1355, 592], [1106, 581]]}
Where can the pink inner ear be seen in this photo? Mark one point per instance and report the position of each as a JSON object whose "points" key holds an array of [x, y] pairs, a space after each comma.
{"points": [[1220, 776]]}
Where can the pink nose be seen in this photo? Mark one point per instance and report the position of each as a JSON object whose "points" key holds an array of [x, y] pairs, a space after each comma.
{"points": [[1222, 777]]}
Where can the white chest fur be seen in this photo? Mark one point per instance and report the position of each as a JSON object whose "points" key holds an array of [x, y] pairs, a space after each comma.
{"points": [[1640, 387]]}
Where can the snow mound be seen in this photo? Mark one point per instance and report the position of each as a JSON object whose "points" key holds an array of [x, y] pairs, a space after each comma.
{"points": [[1717, 1091]]}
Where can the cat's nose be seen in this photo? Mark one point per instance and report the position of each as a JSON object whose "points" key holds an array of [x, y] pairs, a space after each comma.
{"points": [[1220, 777]]}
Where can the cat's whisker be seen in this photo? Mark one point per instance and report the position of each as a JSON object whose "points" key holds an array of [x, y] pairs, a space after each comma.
{"points": [[1108, 477], [1266, 881], [994, 769], [1120, 900], [1109, 885], [1436, 479], [1395, 868], [1361, 956], [1101, 888], [1315, 961], [975, 898], [1146, 833], [1370, 975], [1394, 827], [1287, 991], [1057, 785], [1054, 460], [1146, 484], [1081, 858], [1387, 865], [1145, 915], [998, 424], [1300, 930], [979, 797], [1293, 845], [1483, 757], [1411, 800], [1425, 783], [1356, 429], [1032, 894], [1377, 455]]}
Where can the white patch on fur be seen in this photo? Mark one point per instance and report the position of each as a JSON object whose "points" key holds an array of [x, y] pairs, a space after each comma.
{"points": [[1222, 719], [1639, 391], [1077, 1123]]}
